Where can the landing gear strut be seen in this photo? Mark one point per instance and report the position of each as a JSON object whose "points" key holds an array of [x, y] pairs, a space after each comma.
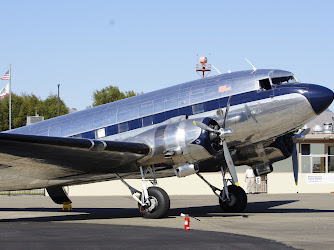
{"points": [[232, 198], [153, 202]]}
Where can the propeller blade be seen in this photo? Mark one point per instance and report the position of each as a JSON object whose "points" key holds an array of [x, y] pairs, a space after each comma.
{"points": [[230, 163], [226, 111], [206, 127], [295, 163]]}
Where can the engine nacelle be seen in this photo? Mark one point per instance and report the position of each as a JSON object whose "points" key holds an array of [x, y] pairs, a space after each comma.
{"points": [[178, 143], [261, 157]]}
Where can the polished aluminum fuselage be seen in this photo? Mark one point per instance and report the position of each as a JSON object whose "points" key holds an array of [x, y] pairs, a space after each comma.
{"points": [[255, 116]]}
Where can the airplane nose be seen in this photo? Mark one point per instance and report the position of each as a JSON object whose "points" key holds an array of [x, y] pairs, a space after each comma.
{"points": [[320, 98]]}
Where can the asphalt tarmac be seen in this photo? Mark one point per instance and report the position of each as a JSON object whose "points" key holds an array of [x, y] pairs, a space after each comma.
{"points": [[302, 221]]}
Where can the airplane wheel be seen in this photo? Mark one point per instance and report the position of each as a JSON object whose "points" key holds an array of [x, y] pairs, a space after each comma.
{"points": [[159, 204], [238, 200]]}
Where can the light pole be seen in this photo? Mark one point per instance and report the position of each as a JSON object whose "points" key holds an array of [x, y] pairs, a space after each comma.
{"points": [[58, 99]]}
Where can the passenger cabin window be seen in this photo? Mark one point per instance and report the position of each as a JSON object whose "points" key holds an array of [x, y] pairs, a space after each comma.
{"points": [[147, 121], [123, 127], [77, 136], [198, 108], [100, 133], [112, 130], [265, 84]]}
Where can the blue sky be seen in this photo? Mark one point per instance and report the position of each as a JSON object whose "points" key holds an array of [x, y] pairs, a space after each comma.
{"points": [[147, 45]]}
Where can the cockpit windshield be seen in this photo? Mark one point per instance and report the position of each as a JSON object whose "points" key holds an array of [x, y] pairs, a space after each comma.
{"points": [[284, 80]]}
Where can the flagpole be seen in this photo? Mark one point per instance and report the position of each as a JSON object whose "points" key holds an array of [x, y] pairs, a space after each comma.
{"points": [[10, 96]]}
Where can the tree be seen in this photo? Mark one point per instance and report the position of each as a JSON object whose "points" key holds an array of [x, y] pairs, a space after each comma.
{"points": [[28, 105], [110, 94], [49, 107]]}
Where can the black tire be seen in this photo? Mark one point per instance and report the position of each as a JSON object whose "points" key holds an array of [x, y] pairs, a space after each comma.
{"points": [[162, 207], [238, 200]]}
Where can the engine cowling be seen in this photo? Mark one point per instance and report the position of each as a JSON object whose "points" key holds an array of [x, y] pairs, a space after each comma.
{"points": [[180, 142]]}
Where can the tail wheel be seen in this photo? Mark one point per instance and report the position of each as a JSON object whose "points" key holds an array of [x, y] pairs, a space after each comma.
{"points": [[237, 202], [159, 204]]}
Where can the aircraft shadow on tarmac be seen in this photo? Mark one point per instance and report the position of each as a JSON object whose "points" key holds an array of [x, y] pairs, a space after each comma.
{"points": [[117, 213]]}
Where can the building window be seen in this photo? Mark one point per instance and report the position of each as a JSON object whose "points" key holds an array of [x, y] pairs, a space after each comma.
{"points": [[317, 158], [306, 164], [318, 164], [330, 151], [330, 164], [306, 150]]}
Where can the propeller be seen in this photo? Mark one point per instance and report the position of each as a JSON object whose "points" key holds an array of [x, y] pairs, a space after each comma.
{"points": [[230, 163], [221, 133], [295, 163], [298, 137]]}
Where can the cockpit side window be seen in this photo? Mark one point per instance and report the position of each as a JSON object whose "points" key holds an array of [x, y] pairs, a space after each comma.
{"points": [[265, 84], [283, 80]]}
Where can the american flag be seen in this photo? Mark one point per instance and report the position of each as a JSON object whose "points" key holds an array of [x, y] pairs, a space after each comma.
{"points": [[4, 91], [5, 76]]}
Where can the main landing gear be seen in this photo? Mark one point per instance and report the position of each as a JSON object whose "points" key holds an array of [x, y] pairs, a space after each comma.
{"points": [[153, 202], [232, 199]]}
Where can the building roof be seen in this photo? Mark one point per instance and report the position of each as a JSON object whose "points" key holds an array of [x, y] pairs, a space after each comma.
{"points": [[326, 116]]}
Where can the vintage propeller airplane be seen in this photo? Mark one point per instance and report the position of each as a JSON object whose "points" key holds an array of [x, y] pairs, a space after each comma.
{"points": [[207, 125]]}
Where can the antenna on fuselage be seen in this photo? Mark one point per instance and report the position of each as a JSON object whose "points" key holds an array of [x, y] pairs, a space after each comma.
{"points": [[216, 69], [254, 69]]}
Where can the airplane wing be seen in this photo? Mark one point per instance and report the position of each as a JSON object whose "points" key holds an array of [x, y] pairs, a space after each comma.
{"points": [[68, 160]]}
